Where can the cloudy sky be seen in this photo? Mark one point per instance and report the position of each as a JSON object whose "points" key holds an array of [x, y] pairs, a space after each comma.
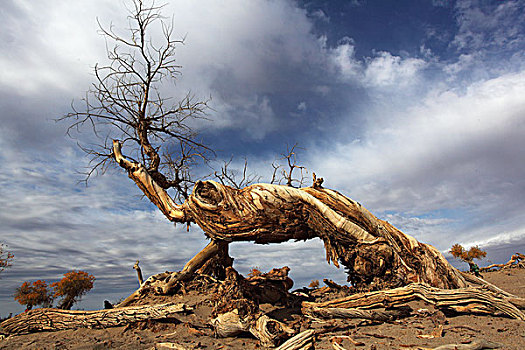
{"points": [[415, 108]]}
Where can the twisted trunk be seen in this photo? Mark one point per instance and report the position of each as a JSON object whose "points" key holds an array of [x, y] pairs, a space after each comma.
{"points": [[375, 253]]}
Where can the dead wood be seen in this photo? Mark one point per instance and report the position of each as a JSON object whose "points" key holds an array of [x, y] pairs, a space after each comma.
{"points": [[516, 260], [332, 284], [475, 345], [39, 320], [137, 268], [463, 300], [166, 346], [230, 324], [166, 282], [302, 341], [237, 306], [376, 315], [270, 332], [376, 254]]}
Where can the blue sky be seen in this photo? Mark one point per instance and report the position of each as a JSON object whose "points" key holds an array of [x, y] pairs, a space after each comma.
{"points": [[413, 108]]}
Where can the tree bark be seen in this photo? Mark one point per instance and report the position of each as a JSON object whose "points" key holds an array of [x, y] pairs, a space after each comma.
{"points": [[376, 315], [40, 320], [269, 331], [302, 341], [376, 254], [462, 300]]}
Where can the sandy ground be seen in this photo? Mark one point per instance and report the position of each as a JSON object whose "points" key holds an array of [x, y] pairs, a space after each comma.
{"points": [[193, 332]]}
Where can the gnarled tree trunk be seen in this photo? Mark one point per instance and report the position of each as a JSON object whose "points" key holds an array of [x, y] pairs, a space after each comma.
{"points": [[375, 253]]}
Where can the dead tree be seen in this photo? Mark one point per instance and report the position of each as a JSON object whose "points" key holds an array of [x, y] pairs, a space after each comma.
{"points": [[376, 254], [160, 147]]}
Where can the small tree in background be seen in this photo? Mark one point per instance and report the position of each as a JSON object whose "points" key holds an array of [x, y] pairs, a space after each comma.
{"points": [[72, 287], [459, 252], [34, 294], [6, 258]]}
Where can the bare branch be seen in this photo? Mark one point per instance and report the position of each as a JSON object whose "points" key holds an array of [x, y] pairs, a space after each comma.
{"points": [[125, 103], [286, 172], [235, 178]]}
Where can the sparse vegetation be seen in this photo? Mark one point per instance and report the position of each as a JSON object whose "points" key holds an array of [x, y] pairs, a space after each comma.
{"points": [[314, 284], [72, 287], [468, 256], [34, 294], [459, 252], [254, 272], [6, 258]]}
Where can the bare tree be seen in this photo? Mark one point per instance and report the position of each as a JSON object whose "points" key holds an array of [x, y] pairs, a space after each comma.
{"points": [[126, 103], [285, 173], [152, 139]]}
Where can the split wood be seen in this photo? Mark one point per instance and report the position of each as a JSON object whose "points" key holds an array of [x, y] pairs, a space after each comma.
{"points": [[463, 300], [39, 320]]}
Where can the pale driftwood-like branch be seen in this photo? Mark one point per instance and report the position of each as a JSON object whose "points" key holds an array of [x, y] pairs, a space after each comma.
{"points": [[167, 346], [137, 268], [302, 341], [475, 345], [376, 315], [155, 193], [40, 320], [230, 324], [516, 260], [269, 331], [465, 300]]}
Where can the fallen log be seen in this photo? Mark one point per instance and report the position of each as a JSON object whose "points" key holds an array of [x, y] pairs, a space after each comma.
{"points": [[39, 320], [376, 315], [167, 346], [516, 260], [463, 300], [475, 345]]}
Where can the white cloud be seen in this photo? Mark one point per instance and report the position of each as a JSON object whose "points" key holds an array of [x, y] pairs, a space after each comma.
{"points": [[388, 70], [489, 26], [50, 44], [452, 151], [343, 58]]}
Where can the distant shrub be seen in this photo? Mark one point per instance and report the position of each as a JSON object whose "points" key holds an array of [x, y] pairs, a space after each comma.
{"points": [[459, 252], [34, 294], [314, 284], [254, 272], [468, 256], [6, 258], [72, 287]]}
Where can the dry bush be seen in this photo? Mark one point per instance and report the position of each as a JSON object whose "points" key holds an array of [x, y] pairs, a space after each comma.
{"points": [[34, 294], [254, 272], [314, 284], [72, 287], [459, 252]]}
